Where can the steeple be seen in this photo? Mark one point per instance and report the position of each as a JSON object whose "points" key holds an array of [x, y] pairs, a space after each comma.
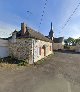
{"points": [[51, 33], [51, 25]]}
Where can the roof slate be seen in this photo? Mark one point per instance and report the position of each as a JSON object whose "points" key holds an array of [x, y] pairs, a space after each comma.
{"points": [[30, 33], [58, 40]]}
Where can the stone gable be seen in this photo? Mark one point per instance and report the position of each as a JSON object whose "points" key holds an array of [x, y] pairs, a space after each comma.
{"points": [[21, 49]]}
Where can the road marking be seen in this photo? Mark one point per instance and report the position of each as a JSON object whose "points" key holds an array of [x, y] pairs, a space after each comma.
{"points": [[69, 87]]}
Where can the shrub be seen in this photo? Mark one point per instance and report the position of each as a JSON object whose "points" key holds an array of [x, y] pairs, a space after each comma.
{"points": [[22, 62]]}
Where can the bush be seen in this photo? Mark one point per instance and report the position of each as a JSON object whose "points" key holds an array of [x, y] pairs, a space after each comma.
{"points": [[12, 60], [22, 63], [66, 47]]}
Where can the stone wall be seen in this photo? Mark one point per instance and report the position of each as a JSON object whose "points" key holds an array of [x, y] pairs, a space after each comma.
{"points": [[21, 49], [57, 46], [29, 49], [77, 48], [72, 48]]}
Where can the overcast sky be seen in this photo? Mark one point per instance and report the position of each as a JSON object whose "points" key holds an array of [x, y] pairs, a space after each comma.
{"points": [[13, 12]]}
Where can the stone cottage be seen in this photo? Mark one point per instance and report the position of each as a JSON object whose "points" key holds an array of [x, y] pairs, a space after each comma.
{"points": [[28, 44]]}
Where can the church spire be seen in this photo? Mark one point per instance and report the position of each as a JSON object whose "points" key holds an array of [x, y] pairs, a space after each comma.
{"points": [[51, 33], [51, 25]]}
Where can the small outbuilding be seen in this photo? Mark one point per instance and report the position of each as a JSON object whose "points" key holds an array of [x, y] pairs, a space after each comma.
{"points": [[58, 43]]}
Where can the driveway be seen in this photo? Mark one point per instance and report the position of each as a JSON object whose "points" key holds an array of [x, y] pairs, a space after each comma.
{"points": [[58, 73]]}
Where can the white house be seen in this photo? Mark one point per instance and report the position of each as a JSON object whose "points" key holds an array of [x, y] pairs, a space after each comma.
{"points": [[4, 48]]}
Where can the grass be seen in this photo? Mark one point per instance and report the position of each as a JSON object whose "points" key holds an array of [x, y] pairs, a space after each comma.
{"points": [[9, 60]]}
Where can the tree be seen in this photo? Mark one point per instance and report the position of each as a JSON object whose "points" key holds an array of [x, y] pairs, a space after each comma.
{"points": [[65, 41], [70, 41], [77, 40]]}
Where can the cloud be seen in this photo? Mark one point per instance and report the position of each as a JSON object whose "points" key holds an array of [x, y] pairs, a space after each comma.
{"points": [[6, 29]]}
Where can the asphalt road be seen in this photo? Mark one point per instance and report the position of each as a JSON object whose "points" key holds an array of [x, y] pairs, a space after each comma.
{"points": [[58, 73]]}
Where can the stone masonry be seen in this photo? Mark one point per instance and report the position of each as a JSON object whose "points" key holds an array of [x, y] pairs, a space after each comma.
{"points": [[21, 49]]}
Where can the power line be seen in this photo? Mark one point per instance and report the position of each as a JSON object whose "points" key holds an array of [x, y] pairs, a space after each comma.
{"points": [[29, 14], [43, 12], [71, 15]]}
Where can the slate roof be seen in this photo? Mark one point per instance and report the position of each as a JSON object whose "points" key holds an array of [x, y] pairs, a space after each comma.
{"points": [[30, 33], [58, 40]]}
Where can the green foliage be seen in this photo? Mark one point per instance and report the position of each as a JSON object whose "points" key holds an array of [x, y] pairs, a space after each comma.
{"points": [[40, 61], [77, 40], [66, 47], [66, 43], [71, 41], [23, 63], [9, 60], [12, 60]]}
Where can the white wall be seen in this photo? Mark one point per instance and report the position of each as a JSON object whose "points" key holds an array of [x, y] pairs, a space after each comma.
{"points": [[4, 49], [37, 45]]}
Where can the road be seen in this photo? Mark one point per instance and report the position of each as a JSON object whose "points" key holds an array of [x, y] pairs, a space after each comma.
{"points": [[58, 73]]}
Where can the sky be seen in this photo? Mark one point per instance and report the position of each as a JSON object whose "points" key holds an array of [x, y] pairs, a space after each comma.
{"points": [[14, 12]]}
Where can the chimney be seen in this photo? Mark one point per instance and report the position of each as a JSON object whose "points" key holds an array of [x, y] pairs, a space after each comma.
{"points": [[23, 28]]}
